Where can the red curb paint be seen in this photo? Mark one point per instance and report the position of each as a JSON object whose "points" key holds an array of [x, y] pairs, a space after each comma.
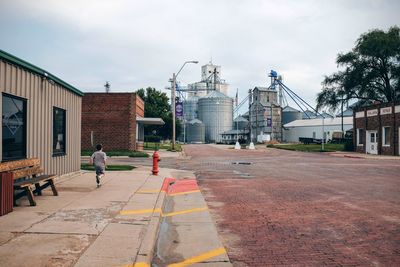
{"points": [[166, 184], [183, 186], [352, 157]]}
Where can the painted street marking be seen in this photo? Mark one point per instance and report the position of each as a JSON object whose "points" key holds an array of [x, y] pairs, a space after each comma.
{"points": [[183, 212], [183, 186], [129, 212], [138, 264], [199, 258], [183, 193], [148, 191]]}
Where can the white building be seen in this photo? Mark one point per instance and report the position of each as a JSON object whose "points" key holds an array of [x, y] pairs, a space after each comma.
{"points": [[312, 128]]}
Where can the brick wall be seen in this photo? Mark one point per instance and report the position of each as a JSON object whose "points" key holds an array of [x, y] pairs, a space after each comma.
{"points": [[376, 123], [112, 119]]}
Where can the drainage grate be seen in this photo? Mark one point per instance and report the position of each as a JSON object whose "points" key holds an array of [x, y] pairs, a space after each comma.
{"points": [[241, 163]]}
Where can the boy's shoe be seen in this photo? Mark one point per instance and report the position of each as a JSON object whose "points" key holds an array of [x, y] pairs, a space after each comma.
{"points": [[98, 180]]}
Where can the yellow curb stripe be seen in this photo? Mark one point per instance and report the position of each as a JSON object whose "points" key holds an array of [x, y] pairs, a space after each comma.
{"points": [[138, 264], [129, 212], [199, 258], [148, 191], [183, 193], [183, 212]]}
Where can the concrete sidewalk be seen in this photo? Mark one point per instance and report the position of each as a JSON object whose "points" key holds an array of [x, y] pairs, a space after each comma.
{"points": [[347, 154], [114, 225]]}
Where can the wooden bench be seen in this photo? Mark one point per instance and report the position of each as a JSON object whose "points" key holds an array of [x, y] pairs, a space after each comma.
{"points": [[27, 172]]}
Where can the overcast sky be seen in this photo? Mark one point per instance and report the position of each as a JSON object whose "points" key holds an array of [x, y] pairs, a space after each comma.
{"points": [[135, 44]]}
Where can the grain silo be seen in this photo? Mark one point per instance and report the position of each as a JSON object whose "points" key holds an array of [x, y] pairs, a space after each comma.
{"points": [[290, 114], [240, 123], [190, 108], [195, 132], [216, 112]]}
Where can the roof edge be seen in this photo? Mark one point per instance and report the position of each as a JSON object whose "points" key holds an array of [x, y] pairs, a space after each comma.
{"points": [[26, 65]]}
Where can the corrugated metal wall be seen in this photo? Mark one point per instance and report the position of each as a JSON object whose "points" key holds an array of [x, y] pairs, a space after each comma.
{"points": [[42, 96]]}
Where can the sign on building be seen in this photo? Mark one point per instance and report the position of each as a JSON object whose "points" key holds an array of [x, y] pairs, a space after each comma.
{"points": [[387, 110], [372, 112]]}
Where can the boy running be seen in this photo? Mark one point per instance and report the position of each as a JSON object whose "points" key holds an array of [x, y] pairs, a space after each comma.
{"points": [[98, 159]]}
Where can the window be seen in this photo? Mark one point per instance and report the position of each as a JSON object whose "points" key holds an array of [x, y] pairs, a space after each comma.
{"points": [[14, 127], [386, 136], [314, 135], [59, 125], [360, 137]]}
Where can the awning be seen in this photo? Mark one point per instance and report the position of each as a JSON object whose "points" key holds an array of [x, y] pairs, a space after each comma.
{"points": [[150, 121]]}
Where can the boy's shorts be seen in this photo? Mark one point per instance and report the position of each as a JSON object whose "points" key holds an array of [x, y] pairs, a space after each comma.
{"points": [[99, 169]]}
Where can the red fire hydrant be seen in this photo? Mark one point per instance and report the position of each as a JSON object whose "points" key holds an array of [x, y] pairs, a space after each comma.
{"points": [[156, 158]]}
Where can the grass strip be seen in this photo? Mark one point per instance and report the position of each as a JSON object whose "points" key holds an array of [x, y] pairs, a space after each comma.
{"points": [[152, 146], [310, 147], [89, 167], [114, 153]]}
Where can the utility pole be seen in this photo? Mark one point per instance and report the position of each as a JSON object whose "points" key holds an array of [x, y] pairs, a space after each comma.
{"points": [[342, 119], [173, 109], [323, 133], [173, 88], [250, 115]]}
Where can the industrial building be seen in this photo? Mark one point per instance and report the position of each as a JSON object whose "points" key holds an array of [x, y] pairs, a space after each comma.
{"points": [[115, 120], [41, 116], [210, 81], [240, 131], [377, 129], [314, 128], [265, 115], [206, 105]]}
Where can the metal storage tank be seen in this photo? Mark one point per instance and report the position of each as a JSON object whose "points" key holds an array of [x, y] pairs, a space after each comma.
{"points": [[190, 107], [240, 123], [290, 114], [216, 112], [195, 131]]}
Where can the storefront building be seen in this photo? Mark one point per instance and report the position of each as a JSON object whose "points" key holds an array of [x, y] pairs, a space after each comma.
{"points": [[41, 116], [376, 129]]}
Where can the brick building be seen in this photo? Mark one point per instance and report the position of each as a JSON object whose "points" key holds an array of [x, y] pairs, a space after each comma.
{"points": [[376, 129], [115, 120]]}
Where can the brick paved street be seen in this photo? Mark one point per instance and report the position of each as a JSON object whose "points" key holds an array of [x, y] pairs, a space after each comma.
{"points": [[292, 208]]}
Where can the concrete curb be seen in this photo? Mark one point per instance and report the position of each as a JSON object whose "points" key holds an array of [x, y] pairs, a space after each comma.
{"points": [[147, 247]]}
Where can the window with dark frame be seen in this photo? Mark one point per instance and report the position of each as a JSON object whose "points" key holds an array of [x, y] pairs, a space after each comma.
{"points": [[13, 127], [360, 137], [386, 136], [59, 130]]}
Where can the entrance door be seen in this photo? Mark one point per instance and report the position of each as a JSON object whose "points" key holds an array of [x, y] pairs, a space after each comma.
{"points": [[372, 142]]}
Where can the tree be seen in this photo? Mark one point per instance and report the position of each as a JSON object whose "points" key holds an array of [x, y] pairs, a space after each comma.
{"points": [[156, 106], [371, 71]]}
